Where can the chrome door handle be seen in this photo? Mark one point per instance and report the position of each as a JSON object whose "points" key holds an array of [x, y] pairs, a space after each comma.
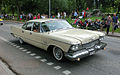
{"points": [[22, 31], [30, 33]]}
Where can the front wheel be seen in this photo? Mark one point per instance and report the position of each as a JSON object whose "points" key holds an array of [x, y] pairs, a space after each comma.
{"points": [[58, 54]]}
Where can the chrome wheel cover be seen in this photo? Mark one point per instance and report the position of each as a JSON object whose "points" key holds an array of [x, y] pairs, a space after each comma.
{"points": [[58, 54]]}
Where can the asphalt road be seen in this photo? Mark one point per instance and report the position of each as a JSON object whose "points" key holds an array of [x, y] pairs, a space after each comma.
{"points": [[29, 60]]}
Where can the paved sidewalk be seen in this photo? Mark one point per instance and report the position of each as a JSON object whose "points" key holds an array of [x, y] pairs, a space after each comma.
{"points": [[114, 35], [4, 70]]}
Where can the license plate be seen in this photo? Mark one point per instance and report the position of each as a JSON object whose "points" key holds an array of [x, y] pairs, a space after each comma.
{"points": [[93, 52]]}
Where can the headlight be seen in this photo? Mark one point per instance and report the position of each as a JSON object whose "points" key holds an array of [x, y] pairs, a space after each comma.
{"points": [[75, 47], [101, 38]]}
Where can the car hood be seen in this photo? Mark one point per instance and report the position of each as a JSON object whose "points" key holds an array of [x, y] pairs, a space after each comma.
{"points": [[81, 35]]}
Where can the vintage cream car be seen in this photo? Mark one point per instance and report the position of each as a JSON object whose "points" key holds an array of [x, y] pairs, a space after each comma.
{"points": [[60, 38]]}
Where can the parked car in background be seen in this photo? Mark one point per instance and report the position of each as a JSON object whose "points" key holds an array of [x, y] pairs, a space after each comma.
{"points": [[60, 38], [1, 21]]}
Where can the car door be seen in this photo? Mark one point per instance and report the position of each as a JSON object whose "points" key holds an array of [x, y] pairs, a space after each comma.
{"points": [[27, 32], [39, 37]]}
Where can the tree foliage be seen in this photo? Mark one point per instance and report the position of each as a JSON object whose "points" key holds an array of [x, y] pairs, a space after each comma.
{"points": [[42, 6]]}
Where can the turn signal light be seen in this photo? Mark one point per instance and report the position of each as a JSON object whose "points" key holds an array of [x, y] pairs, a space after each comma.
{"points": [[78, 59], [104, 48]]}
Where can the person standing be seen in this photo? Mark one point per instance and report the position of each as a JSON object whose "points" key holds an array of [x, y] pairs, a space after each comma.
{"points": [[115, 20], [29, 16], [65, 15], [34, 17], [58, 15], [109, 20], [75, 14], [87, 8], [43, 16], [61, 15], [6, 16], [72, 15], [38, 16], [24, 16], [103, 18], [21, 16], [84, 14]]}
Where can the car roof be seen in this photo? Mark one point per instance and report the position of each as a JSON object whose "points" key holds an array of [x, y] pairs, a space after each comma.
{"points": [[41, 20]]}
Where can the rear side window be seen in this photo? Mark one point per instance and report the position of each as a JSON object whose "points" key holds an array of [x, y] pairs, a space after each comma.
{"points": [[24, 26], [28, 26]]}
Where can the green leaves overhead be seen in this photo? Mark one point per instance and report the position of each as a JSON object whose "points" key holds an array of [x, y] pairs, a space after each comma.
{"points": [[42, 6]]}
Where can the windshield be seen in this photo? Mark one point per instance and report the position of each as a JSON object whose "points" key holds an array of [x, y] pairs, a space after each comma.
{"points": [[55, 25]]}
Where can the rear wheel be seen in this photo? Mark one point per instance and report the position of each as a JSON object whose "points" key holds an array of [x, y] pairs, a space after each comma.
{"points": [[1, 24], [21, 41], [58, 53]]}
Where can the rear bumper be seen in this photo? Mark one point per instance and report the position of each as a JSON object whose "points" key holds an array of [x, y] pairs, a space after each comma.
{"points": [[85, 52]]}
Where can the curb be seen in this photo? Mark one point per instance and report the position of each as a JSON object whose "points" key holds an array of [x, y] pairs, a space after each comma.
{"points": [[113, 35], [4, 70]]}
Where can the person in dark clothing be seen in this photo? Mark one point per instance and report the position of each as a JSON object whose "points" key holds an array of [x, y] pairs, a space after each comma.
{"points": [[81, 24], [109, 20], [115, 21], [103, 24], [72, 16], [103, 18]]}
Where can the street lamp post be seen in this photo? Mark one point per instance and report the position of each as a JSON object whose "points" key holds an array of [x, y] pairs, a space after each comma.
{"points": [[49, 9]]}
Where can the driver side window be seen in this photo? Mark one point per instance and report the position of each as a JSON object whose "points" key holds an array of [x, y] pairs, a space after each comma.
{"points": [[36, 27], [45, 27]]}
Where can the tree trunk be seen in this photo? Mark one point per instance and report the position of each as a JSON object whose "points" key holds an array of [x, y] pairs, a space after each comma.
{"points": [[18, 8], [118, 9]]}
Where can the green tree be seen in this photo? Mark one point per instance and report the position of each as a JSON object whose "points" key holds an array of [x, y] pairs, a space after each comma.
{"points": [[117, 4]]}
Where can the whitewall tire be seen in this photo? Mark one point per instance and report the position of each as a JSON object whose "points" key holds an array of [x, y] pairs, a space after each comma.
{"points": [[58, 53]]}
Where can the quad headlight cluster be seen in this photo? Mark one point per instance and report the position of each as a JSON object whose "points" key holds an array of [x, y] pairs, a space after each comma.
{"points": [[79, 46], [76, 47]]}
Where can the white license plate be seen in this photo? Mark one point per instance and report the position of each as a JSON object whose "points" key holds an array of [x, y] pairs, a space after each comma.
{"points": [[93, 52]]}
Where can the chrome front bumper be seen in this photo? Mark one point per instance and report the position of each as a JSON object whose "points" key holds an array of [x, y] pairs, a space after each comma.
{"points": [[85, 52]]}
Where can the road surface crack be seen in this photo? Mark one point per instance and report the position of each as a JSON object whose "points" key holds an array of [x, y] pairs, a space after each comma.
{"points": [[9, 67]]}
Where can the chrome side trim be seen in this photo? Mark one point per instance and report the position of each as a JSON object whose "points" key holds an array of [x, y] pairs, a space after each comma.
{"points": [[61, 41], [33, 40]]}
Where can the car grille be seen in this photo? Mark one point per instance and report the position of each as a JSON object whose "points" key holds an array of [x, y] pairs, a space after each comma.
{"points": [[91, 44]]}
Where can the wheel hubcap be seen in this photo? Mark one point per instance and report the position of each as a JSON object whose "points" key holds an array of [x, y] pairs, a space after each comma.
{"points": [[57, 52]]}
